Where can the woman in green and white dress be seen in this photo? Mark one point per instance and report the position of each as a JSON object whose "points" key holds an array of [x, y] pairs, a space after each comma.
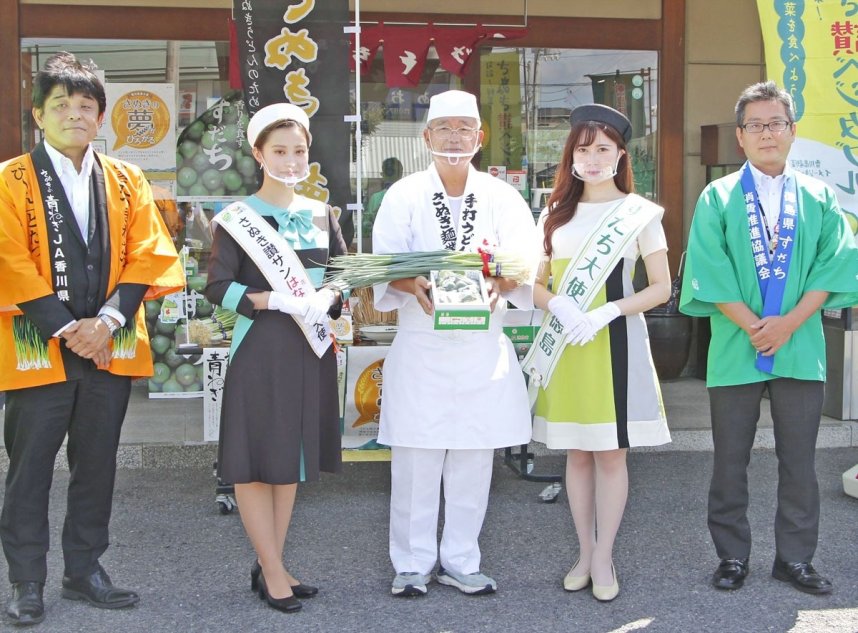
{"points": [[603, 397]]}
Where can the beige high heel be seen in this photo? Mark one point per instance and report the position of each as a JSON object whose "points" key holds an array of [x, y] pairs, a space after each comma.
{"points": [[606, 593], [575, 583]]}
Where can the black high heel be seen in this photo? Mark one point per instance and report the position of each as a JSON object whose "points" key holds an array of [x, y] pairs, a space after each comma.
{"points": [[300, 590], [255, 570], [290, 604]]}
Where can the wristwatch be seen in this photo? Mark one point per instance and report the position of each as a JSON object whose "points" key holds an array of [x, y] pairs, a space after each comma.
{"points": [[112, 325]]}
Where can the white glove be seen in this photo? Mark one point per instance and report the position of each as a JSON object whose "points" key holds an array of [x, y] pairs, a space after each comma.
{"points": [[287, 303], [568, 313], [594, 321], [318, 305]]}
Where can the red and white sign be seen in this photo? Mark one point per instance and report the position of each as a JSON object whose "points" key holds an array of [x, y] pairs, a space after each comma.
{"points": [[517, 178], [498, 171]]}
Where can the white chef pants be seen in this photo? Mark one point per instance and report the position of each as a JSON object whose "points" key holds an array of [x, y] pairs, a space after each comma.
{"points": [[416, 475]]}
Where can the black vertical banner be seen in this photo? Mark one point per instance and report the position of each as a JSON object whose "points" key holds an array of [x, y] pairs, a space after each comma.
{"points": [[296, 52]]}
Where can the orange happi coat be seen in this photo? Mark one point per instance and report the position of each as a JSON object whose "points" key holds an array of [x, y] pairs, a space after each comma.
{"points": [[141, 252]]}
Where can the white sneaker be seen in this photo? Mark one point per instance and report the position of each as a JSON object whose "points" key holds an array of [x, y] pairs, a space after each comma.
{"points": [[409, 584], [475, 584]]}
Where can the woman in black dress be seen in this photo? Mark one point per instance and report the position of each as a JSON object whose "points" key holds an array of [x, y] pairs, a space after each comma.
{"points": [[280, 420]]}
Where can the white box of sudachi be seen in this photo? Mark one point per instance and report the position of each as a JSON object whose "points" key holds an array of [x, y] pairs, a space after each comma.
{"points": [[460, 299]]}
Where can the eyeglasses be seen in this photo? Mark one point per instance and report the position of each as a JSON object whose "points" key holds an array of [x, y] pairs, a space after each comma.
{"points": [[773, 126], [465, 133]]}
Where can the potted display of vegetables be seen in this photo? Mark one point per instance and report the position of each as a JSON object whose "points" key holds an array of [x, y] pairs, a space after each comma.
{"points": [[178, 372]]}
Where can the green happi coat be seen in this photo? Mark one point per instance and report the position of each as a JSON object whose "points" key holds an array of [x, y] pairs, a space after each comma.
{"points": [[719, 268]]}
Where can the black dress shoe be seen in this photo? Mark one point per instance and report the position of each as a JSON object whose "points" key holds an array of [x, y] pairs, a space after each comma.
{"points": [[802, 576], [300, 590], [730, 574], [26, 606], [290, 604], [98, 591]]}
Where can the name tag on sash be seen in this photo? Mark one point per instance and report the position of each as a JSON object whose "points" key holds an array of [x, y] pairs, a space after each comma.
{"points": [[277, 261], [584, 276]]}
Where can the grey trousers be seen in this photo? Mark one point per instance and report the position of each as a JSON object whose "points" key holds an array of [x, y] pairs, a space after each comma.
{"points": [[796, 407]]}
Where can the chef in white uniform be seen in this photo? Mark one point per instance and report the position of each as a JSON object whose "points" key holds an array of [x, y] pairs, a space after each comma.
{"points": [[450, 398]]}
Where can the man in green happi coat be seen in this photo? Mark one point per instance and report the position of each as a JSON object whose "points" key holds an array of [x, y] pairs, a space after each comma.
{"points": [[768, 248]]}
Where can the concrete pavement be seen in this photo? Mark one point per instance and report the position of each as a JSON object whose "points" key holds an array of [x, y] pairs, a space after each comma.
{"points": [[190, 563]]}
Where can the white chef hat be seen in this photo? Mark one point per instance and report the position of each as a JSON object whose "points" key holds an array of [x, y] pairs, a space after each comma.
{"points": [[274, 113], [453, 103]]}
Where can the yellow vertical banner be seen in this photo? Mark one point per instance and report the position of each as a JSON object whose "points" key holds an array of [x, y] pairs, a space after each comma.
{"points": [[500, 109], [811, 50]]}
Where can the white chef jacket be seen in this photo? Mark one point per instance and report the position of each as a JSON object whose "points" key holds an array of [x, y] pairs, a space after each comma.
{"points": [[460, 389]]}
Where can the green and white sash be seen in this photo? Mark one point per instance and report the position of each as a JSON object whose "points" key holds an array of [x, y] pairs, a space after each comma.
{"points": [[277, 261], [584, 276]]}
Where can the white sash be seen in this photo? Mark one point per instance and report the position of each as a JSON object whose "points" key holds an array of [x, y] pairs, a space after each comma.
{"points": [[277, 261], [584, 276], [459, 238]]}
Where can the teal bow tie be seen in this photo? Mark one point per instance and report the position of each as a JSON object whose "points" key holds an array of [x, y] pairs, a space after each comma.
{"points": [[297, 226]]}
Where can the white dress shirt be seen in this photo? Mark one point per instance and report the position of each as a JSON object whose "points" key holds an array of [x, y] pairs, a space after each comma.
{"points": [[76, 185], [770, 192]]}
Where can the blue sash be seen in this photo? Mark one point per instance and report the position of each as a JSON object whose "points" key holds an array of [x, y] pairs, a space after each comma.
{"points": [[772, 264]]}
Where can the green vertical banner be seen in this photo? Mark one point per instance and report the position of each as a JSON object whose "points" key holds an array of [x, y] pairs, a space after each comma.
{"points": [[624, 92], [500, 109], [818, 40]]}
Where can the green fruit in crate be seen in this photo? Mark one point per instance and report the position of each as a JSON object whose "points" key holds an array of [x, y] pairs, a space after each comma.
{"points": [[231, 179], [246, 166], [195, 386], [161, 375], [172, 386], [200, 162], [195, 130], [211, 179], [201, 371], [230, 133], [187, 148], [198, 190], [208, 141], [173, 359], [153, 309], [154, 387], [165, 328], [181, 333], [197, 282], [160, 344], [186, 177], [204, 308], [186, 374]]}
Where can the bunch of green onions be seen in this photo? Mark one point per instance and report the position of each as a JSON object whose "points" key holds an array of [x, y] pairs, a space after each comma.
{"points": [[360, 270], [214, 329]]}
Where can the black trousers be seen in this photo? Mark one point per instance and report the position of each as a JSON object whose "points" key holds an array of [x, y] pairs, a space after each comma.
{"points": [[90, 411], [796, 407]]}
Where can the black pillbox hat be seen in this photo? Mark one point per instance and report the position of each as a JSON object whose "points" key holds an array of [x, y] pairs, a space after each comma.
{"points": [[603, 114]]}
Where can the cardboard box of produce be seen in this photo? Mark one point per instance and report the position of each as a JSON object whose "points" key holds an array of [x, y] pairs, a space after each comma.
{"points": [[460, 299]]}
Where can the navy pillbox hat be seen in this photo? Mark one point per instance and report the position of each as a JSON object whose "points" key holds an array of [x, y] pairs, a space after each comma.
{"points": [[603, 114]]}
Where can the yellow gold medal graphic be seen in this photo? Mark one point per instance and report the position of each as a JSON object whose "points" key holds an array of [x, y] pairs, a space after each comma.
{"points": [[140, 119], [368, 394]]}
